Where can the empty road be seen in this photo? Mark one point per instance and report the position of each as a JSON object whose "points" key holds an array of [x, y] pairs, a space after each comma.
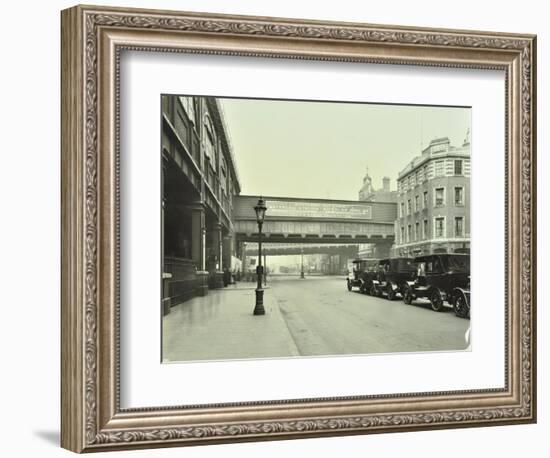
{"points": [[325, 319]]}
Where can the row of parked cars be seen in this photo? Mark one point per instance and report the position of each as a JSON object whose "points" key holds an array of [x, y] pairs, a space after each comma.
{"points": [[439, 278]]}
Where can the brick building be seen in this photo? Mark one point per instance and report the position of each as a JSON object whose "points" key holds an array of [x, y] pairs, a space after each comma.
{"points": [[199, 182], [367, 193], [434, 201]]}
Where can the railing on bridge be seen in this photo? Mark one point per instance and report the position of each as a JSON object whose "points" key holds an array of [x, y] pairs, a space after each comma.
{"points": [[291, 220]]}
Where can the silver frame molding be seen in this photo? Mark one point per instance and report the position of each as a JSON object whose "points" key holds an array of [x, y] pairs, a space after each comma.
{"points": [[92, 39]]}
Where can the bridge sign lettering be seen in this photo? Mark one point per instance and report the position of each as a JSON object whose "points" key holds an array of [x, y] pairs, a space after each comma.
{"points": [[284, 208]]}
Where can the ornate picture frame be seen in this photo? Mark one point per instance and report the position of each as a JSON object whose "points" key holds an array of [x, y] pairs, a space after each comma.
{"points": [[92, 40]]}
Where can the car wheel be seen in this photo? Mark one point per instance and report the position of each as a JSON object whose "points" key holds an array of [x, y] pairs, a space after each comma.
{"points": [[436, 301], [391, 293], [349, 285], [461, 307], [407, 296]]}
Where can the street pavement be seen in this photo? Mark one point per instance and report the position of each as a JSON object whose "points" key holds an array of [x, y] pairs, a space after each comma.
{"points": [[221, 326], [304, 317]]}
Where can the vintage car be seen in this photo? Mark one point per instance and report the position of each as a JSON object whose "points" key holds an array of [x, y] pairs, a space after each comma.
{"points": [[440, 278], [362, 274], [392, 277]]}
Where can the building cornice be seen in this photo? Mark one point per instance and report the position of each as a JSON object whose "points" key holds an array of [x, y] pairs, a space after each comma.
{"points": [[434, 241], [218, 118], [461, 153]]}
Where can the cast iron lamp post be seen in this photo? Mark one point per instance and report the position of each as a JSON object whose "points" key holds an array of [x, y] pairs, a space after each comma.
{"points": [[260, 210]]}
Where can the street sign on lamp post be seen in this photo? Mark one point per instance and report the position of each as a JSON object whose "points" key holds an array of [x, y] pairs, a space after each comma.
{"points": [[260, 210]]}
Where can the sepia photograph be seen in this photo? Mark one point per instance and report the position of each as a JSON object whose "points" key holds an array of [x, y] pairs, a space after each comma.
{"points": [[266, 227], [304, 228]]}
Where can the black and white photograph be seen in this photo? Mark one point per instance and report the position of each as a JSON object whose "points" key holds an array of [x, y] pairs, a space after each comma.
{"points": [[305, 228], [255, 229]]}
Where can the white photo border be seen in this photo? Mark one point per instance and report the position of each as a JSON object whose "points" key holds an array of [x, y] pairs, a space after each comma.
{"points": [[141, 372]]}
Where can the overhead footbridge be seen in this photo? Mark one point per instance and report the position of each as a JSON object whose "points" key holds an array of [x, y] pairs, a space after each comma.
{"points": [[291, 220]]}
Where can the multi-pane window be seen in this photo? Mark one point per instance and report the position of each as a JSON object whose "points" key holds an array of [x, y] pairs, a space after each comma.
{"points": [[402, 209], [425, 199], [422, 174], [210, 142], [425, 229], [189, 106], [459, 196], [458, 167], [223, 177], [416, 203], [417, 231], [409, 233], [439, 229], [402, 234], [439, 168], [409, 209], [439, 196], [459, 226]]}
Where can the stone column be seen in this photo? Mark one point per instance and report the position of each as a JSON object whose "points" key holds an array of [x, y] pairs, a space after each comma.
{"points": [[203, 249], [219, 229], [197, 243], [198, 247], [166, 299], [216, 280], [227, 251]]}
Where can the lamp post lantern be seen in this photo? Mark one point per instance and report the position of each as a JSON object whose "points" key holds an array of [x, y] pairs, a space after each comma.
{"points": [[260, 210]]}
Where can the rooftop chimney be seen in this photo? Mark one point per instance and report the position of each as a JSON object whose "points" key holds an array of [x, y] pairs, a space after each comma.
{"points": [[386, 184]]}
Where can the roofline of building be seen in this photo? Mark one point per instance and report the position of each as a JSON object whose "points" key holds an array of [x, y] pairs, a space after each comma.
{"points": [[219, 119], [423, 159], [306, 199], [439, 140]]}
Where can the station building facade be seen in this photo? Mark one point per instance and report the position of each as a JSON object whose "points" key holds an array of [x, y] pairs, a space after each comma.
{"points": [[199, 181], [434, 201], [368, 193]]}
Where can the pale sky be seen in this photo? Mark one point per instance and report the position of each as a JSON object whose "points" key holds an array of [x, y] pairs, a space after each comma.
{"points": [[323, 149]]}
